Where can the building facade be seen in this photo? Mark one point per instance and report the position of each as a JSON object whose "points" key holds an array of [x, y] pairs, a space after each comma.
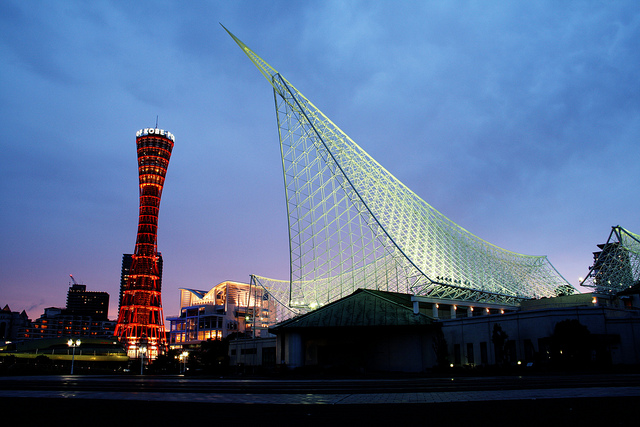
{"points": [[54, 323], [140, 320], [11, 323], [81, 302], [127, 260], [84, 316], [367, 331], [253, 352], [375, 331], [228, 308], [609, 329]]}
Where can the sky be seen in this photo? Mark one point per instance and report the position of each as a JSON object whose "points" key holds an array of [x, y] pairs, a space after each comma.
{"points": [[519, 121]]}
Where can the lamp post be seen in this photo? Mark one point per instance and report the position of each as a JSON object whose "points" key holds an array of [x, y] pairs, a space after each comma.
{"points": [[142, 350], [73, 344], [184, 356]]}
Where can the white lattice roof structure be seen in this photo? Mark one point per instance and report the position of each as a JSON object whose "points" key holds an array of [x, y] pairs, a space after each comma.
{"points": [[353, 225], [616, 266]]}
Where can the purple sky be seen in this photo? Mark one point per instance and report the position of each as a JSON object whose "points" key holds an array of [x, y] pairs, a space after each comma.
{"points": [[520, 121]]}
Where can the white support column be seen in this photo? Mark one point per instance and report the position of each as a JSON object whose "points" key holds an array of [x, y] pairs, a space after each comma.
{"points": [[453, 311], [469, 311], [435, 310], [416, 307]]}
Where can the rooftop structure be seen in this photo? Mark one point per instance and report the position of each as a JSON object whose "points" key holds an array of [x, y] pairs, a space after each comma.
{"points": [[353, 225], [616, 267]]}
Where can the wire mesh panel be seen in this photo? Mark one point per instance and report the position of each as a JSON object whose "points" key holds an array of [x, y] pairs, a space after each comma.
{"points": [[352, 224], [616, 266]]}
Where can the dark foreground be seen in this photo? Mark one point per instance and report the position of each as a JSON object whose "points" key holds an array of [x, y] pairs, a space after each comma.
{"points": [[548, 412], [611, 400]]}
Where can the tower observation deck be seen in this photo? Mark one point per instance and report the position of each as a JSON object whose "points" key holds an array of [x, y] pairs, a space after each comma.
{"points": [[352, 225], [140, 320]]}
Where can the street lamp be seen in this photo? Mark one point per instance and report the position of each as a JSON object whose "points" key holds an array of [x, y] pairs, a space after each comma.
{"points": [[142, 350], [73, 344], [184, 356]]}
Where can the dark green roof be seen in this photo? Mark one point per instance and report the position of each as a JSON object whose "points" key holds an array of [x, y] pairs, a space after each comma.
{"points": [[362, 308]]}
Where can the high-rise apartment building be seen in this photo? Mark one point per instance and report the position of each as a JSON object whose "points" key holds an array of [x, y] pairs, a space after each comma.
{"points": [[86, 315], [127, 259], [81, 302]]}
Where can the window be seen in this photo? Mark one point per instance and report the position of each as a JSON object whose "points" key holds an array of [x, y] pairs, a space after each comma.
{"points": [[484, 359]]}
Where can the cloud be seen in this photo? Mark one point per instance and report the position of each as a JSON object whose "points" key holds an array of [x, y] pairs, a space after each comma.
{"points": [[517, 120]]}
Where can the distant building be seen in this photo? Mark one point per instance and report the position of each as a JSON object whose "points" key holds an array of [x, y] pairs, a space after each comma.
{"points": [[81, 302], [375, 331], [11, 322], [127, 260], [84, 316], [253, 352], [54, 323], [369, 330], [228, 308], [529, 335]]}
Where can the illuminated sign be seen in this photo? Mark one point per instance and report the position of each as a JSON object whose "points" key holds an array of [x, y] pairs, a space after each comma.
{"points": [[155, 131]]}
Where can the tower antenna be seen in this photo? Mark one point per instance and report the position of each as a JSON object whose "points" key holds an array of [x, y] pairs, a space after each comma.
{"points": [[156, 121]]}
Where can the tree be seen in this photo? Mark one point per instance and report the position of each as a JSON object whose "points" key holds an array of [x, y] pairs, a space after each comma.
{"points": [[166, 363], [571, 343], [7, 362], [212, 356], [564, 290]]}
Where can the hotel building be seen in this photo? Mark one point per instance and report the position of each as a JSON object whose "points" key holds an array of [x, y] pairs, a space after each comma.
{"points": [[228, 308]]}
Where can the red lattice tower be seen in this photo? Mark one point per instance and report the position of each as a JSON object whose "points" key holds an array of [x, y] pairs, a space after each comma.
{"points": [[140, 321]]}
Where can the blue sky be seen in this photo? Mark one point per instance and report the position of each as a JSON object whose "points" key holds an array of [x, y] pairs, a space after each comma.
{"points": [[517, 120]]}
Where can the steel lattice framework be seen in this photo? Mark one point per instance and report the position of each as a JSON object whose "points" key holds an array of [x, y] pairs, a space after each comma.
{"points": [[140, 320], [617, 266], [353, 225]]}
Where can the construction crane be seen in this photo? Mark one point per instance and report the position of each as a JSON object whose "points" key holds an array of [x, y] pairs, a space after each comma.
{"points": [[73, 280]]}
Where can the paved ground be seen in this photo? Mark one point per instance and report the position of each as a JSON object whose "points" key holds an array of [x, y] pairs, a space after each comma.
{"points": [[516, 401], [335, 399]]}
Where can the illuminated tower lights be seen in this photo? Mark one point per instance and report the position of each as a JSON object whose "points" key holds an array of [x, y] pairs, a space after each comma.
{"points": [[140, 321]]}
